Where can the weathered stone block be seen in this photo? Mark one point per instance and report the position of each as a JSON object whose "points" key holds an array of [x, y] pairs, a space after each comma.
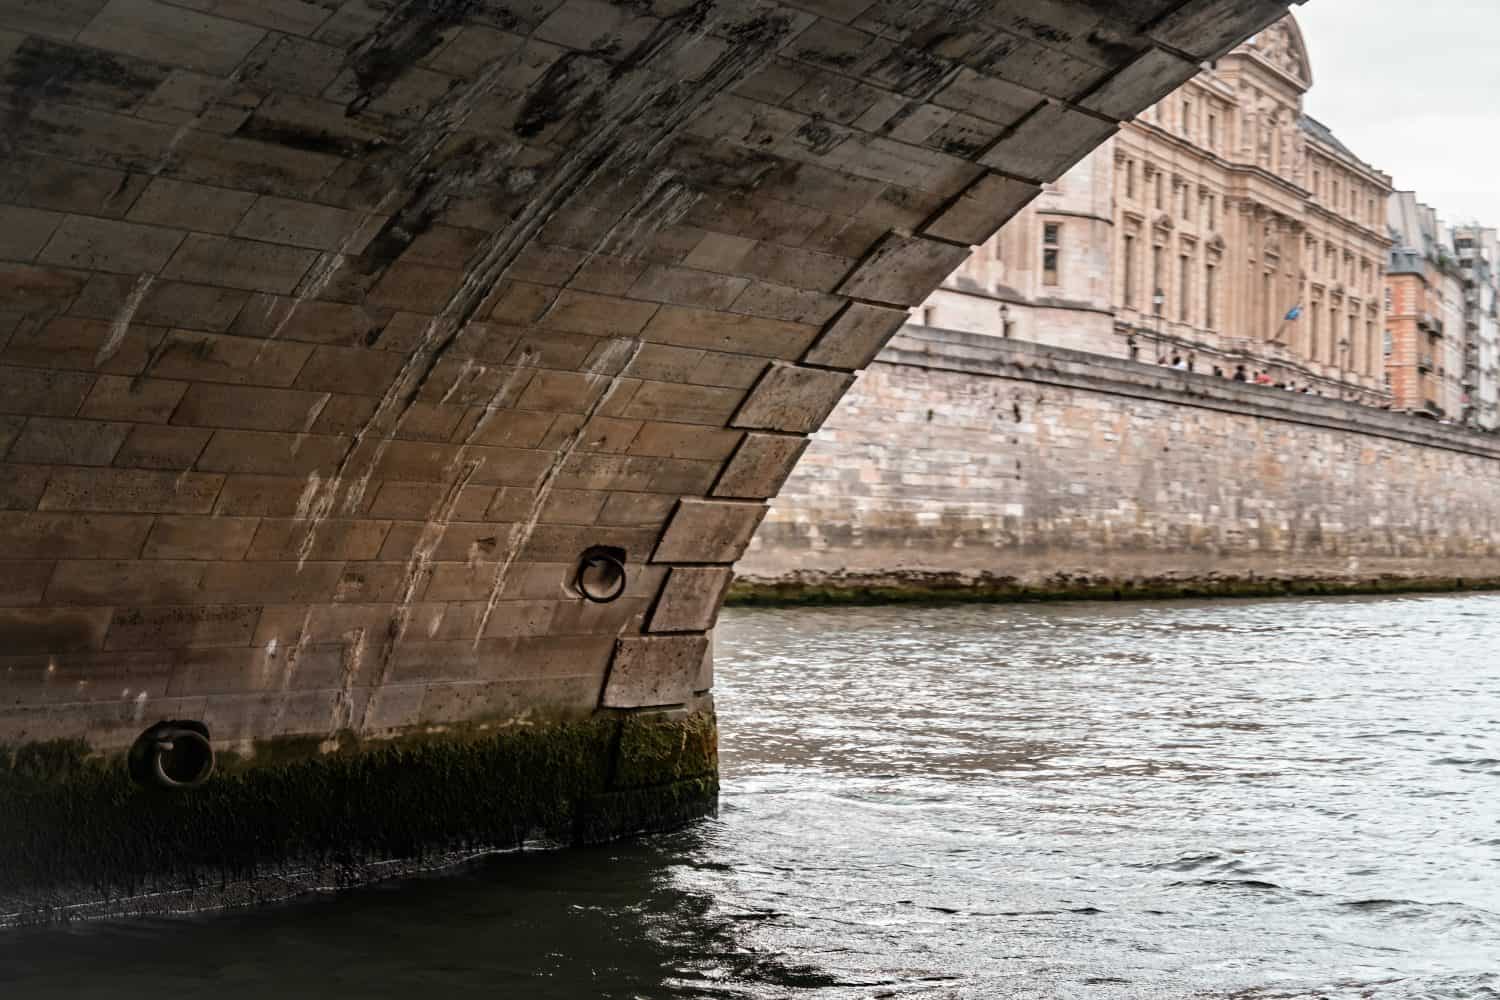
{"points": [[24, 231], [301, 224], [274, 454], [33, 391], [131, 490], [982, 209], [793, 399], [853, 339], [1155, 72], [168, 202], [162, 448], [691, 598], [247, 264], [24, 582], [249, 407], [902, 270], [29, 535], [138, 399], [708, 531], [170, 34], [733, 333], [760, 465], [51, 440], [107, 245], [83, 344], [654, 670], [674, 440], [1048, 142], [52, 630], [332, 538], [105, 582], [175, 537], [1208, 28]]}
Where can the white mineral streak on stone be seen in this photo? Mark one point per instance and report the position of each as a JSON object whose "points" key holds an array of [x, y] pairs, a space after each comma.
{"points": [[120, 325], [288, 670], [618, 356], [415, 575], [341, 712], [601, 155], [309, 494]]}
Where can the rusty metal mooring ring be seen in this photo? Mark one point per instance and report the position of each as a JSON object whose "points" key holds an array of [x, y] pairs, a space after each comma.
{"points": [[174, 755], [601, 574]]}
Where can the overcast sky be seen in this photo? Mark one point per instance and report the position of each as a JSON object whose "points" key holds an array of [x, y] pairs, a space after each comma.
{"points": [[1414, 90]]}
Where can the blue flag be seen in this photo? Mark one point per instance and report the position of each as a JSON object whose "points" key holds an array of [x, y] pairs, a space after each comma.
{"points": [[1294, 313]]}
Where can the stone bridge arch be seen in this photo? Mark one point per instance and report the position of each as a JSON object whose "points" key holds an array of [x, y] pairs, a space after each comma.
{"points": [[332, 333]]}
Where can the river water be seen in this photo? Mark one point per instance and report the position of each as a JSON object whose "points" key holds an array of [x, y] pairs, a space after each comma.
{"points": [[1255, 799]]}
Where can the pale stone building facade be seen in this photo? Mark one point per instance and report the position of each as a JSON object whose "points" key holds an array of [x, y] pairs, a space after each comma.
{"points": [[1222, 227], [1478, 251]]}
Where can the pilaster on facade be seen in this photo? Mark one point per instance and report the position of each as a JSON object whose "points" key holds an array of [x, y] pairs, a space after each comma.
{"points": [[1242, 237]]}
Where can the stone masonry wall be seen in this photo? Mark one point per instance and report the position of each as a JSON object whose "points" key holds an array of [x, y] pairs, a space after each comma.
{"points": [[958, 460]]}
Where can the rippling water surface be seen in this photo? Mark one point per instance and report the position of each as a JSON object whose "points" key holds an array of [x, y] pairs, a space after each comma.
{"points": [[1244, 799]]}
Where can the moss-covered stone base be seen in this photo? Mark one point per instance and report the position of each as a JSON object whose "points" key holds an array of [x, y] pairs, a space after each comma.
{"points": [[77, 837], [943, 588]]}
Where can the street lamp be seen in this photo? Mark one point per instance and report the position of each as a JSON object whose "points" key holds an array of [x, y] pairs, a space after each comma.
{"points": [[1004, 319]]}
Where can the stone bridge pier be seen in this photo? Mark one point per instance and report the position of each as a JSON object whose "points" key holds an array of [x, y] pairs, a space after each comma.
{"points": [[334, 333]]}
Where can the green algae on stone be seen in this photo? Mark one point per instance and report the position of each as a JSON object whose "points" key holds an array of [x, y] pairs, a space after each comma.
{"points": [[75, 828]]}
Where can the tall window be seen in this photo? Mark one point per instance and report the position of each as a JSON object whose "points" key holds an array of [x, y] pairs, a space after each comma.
{"points": [[1156, 276], [1185, 201], [1187, 118], [1184, 288], [1210, 297], [1051, 245], [1161, 190], [1314, 318], [1213, 211], [1130, 179], [1213, 131], [1129, 254]]}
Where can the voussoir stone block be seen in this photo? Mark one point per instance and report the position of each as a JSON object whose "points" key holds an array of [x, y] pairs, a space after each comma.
{"points": [[709, 531], [793, 398], [1155, 71], [902, 270], [982, 209], [690, 600], [760, 465], [1209, 28], [855, 336], [1049, 141], [650, 671]]}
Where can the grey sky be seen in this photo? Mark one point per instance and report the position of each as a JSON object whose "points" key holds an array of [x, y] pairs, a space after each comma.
{"points": [[1414, 89]]}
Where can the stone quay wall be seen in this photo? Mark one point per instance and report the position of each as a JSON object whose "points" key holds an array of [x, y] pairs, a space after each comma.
{"points": [[965, 465]]}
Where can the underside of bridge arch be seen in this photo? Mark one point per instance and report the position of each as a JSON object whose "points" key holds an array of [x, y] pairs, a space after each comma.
{"points": [[332, 334]]}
